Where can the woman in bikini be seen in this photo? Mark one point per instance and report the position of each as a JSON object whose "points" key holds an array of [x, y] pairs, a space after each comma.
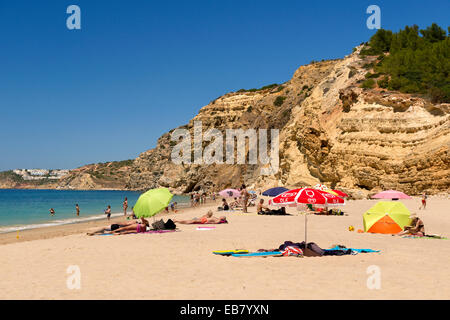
{"points": [[424, 201], [136, 227], [416, 228], [206, 219]]}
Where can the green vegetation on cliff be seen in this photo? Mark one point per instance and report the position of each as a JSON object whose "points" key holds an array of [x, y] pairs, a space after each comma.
{"points": [[11, 176], [416, 61]]}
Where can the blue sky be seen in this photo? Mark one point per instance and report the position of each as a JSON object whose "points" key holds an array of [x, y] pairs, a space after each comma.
{"points": [[139, 68]]}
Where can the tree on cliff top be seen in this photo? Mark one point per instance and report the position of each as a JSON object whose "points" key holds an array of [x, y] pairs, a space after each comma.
{"points": [[415, 64]]}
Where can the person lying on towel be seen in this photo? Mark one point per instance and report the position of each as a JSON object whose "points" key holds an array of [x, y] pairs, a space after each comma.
{"points": [[136, 227], [262, 209], [108, 229], [206, 219]]}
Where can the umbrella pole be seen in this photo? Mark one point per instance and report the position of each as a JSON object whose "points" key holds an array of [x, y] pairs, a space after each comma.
{"points": [[306, 229]]}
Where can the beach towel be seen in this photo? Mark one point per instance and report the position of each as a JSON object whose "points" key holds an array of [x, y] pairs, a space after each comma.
{"points": [[310, 250], [161, 231], [292, 251], [205, 228], [230, 252], [352, 249], [150, 231], [270, 213], [338, 252], [426, 237], [259, 254]]}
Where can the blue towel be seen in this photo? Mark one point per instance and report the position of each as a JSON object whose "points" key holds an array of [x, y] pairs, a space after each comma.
{"points": [[356, 250]]}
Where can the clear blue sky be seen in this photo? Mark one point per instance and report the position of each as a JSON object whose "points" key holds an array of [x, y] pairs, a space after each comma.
{"points": [[137, 69]]}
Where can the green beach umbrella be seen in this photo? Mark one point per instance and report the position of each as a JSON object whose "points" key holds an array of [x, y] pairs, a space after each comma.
{"points": [[152, 202]]}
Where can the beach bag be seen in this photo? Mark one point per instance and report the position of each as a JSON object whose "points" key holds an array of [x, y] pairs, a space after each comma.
{"points": [[170, 225], [313, 250], [158, 225], [292, 251]]}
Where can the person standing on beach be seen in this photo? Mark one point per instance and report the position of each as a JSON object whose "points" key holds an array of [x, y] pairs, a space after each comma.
{"points": [[196, 199], [204, 197], [245, 197], [52, 211], [108, 212], [125, 206], [192, 200], [424, 201], [78, 209]]}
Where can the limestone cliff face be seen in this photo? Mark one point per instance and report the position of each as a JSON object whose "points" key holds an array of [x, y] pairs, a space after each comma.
{"points": [[109, 175], [331, 132]]}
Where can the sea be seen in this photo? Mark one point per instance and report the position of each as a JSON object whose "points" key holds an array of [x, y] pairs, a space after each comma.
{"points": [[29, 209]]}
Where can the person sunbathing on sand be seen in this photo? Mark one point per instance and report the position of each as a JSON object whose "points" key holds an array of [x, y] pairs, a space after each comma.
{"points": [[136, 227], [235, 204], [110, 228], [416, 228], [206, 219]]}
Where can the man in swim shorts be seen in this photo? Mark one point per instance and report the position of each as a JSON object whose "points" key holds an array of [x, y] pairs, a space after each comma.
{"points": [[108, 212]]}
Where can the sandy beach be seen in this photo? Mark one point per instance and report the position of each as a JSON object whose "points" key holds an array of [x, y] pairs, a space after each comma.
{"points": [[180, 265]]}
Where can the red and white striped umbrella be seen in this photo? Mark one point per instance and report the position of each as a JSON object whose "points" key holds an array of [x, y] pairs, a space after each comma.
{"points": [[331, 198], [305, 195], [308, 196], [340, 193]]}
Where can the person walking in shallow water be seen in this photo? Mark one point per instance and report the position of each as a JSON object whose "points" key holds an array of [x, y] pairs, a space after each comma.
{"points": [[108, 212], [78, 209], [125, 206], [52, 212]]}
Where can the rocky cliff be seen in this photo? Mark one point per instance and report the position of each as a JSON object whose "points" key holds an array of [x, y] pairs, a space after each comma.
{"points": [[99, 176], [331, 131]]}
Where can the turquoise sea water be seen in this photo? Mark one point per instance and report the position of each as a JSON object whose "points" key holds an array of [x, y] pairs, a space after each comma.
{"points": [[26, 209]]}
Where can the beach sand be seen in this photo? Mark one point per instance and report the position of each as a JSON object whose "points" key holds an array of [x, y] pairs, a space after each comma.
{"points": [[180, 265]]}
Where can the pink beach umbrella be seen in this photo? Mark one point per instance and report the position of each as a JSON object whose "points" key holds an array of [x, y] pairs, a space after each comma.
{"points": [[230, 193], [391, 194]]}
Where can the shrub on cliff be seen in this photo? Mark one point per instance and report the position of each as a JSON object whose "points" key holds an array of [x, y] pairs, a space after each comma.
{"points": [[279, 101], [368, 84], [418, 60]]}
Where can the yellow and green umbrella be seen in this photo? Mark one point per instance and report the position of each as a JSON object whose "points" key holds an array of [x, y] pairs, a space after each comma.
{"points": [[386, 217], [152, 202]]}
